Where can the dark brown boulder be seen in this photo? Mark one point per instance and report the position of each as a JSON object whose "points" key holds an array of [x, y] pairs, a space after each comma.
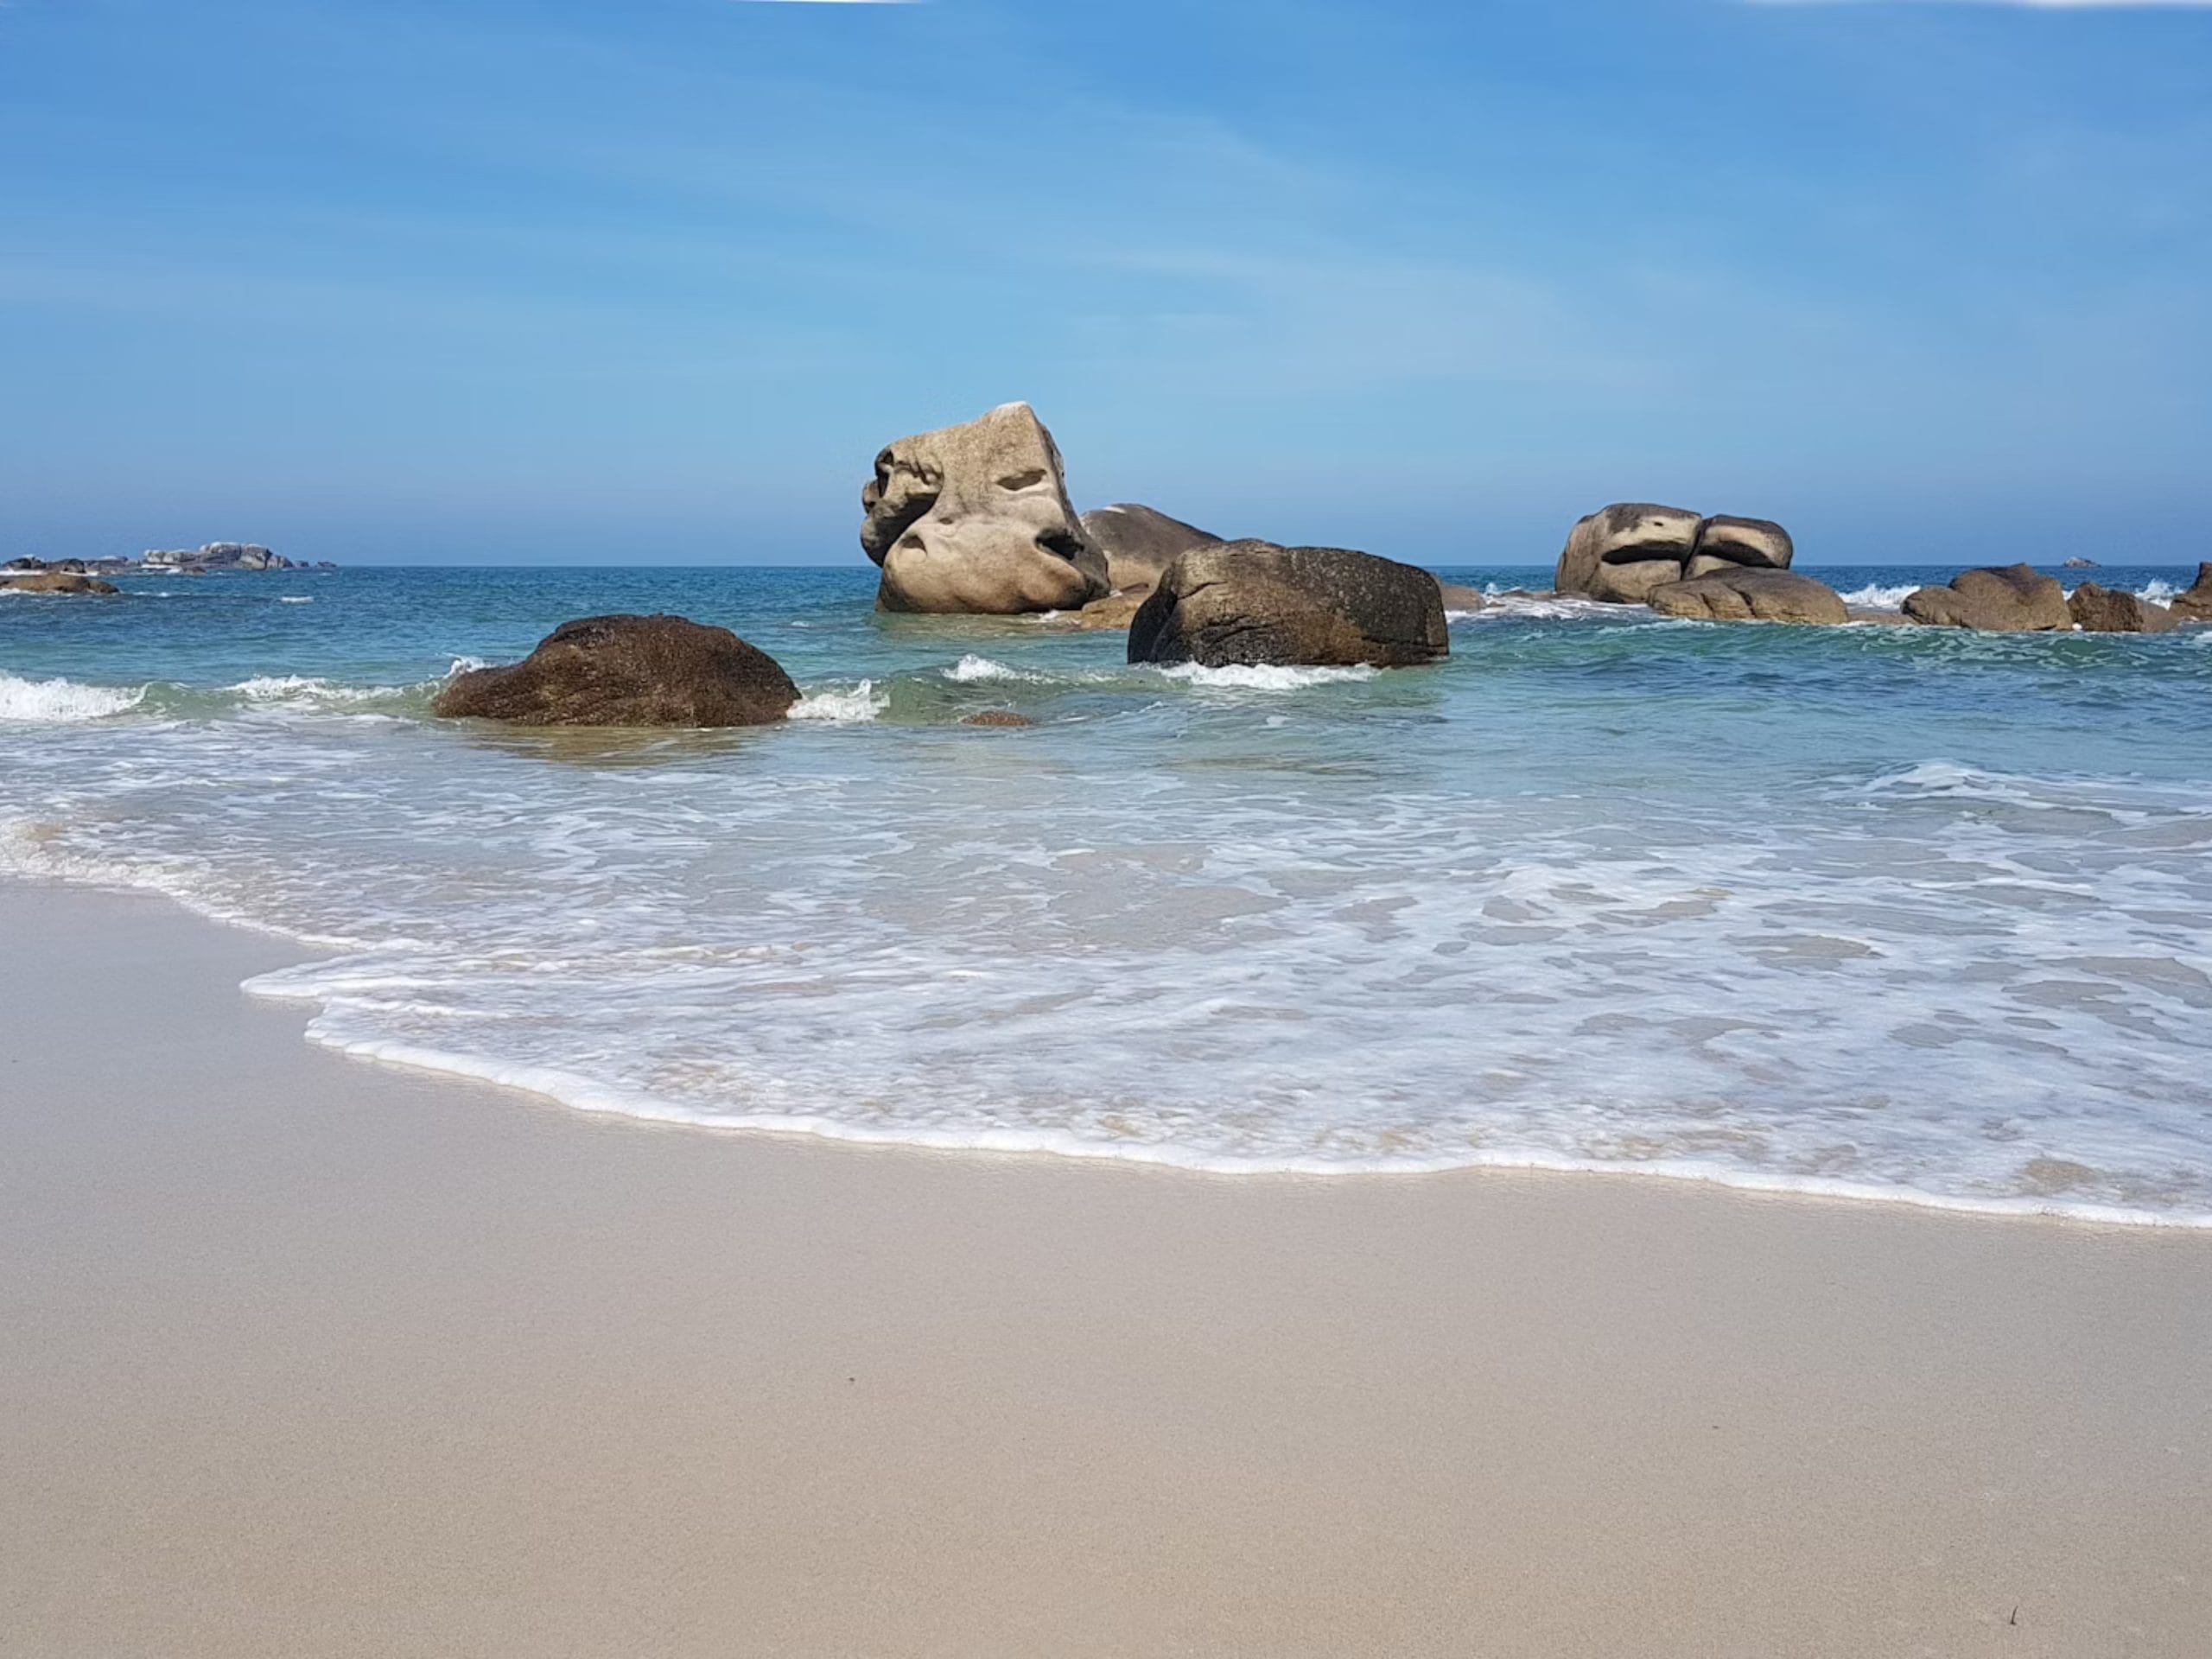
{"points": [[1746, 593], [628, 670], [997, 717], [2195, 605], [1256, 603], [2016, 599], [1141, 542], [58, 582], [2104, 610]]}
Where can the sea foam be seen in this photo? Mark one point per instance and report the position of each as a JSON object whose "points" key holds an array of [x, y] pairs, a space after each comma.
{"points": [[62, 702]]}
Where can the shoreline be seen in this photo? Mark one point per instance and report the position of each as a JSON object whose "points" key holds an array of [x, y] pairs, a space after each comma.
{"points": [[582, 1096], [317, 1356]]}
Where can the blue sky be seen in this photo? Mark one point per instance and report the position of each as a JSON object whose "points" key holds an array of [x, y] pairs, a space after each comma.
{"points": [[484, 280]]}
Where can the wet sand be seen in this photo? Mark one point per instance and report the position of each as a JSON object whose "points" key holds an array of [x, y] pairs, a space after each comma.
{"points": [[305, 1357]]}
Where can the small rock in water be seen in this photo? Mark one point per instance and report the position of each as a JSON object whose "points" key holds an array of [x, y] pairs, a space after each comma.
{"points": [[628, 670], [1458, 597], [2195, 605], [2016, 599], [1742, 593], [1254, 603], [997, 717], [57, 582], [2105, 610]]}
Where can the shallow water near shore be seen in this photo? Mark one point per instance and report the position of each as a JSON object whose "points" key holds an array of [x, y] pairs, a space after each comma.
{"points": [[1893, 912]]}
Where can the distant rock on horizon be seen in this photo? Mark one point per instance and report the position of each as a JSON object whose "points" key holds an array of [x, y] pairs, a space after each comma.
{"points": [[216, 555]]}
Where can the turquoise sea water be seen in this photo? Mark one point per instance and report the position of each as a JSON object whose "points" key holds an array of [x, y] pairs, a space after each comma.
{"points": [[1897, 912]]}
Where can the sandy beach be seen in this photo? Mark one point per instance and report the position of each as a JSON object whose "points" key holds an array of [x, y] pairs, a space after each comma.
{"points": [[308, 1355]]}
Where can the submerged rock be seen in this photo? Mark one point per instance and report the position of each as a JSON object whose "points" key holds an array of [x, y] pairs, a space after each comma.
{"points": [[2195, 605], [628, 670], [1138, 543], [57, 582], [2106, 610], [975, 519], [1256, 603], [1742, 593], [997, 717], [1457, 597], [2016, 599]]}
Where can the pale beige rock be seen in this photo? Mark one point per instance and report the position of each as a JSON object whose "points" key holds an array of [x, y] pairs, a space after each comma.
{"points": [[975, 519], [1759, 542], [57, 582], [1621, 553]]}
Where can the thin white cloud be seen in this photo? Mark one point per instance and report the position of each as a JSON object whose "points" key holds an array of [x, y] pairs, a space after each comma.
{"points": [[2029, 5]]}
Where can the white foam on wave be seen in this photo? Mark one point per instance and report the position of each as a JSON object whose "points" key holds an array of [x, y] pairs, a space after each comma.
{"points": [[1266, 676], [1876, 597], [841, 705], [460, 665], [62, 702], [2158, 591], [294, 599], [972, 667]]}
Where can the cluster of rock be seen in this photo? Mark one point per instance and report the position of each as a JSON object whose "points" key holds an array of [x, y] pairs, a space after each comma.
{"points": [[1736, 569], [35, 575], [1624, 553], [220, 555], [976, 520]]}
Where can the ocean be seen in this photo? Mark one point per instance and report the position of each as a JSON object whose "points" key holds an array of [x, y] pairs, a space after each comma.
{"points": [[1888, 913]]}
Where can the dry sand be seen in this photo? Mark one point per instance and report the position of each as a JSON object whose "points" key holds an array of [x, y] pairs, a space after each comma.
{"points": [[306, 1357]]}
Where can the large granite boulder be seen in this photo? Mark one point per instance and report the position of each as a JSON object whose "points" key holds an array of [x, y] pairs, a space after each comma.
{"points": [[2106, 610], [57, 582], [1254, 602], [1724, 542], [1621, 553], [1141, 542], [628, 670], [1750, 593], [2017, 598], [2195, 605], [22, 567], [975, 519]]}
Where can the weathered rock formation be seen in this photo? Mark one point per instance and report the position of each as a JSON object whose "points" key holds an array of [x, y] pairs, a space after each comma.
{"points": [[57, 582], [628, 670], [976, 519], [2106, 610], [1724, 542], [2016, 599], [2195, 605], [1141, 542], [24, 566], [1621, 553], [1742, 593], [1254, 602]]}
